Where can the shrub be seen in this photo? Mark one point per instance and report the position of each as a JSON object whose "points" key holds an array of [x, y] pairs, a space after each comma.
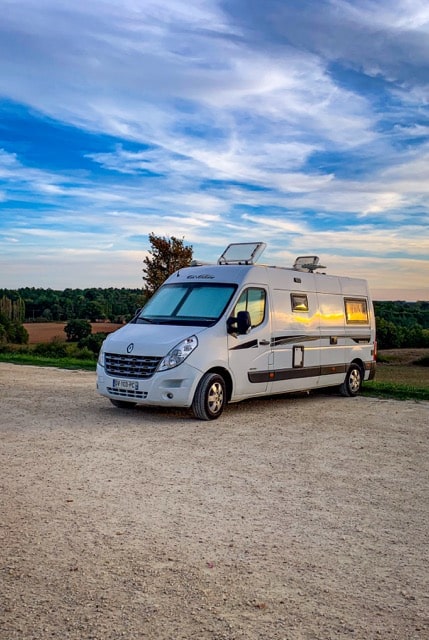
{"points": [[74, 351], [92, 342], [53, 349], [77, 330]]}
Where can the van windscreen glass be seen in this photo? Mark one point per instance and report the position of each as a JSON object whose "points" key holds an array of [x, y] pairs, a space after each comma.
{"points": [[198, 304]]}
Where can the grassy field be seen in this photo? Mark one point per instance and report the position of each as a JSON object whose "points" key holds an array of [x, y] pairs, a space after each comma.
{"points": [[399, 377]]}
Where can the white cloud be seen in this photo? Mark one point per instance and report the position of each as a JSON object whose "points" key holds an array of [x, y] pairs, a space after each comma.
{"points": [[248, 123]]}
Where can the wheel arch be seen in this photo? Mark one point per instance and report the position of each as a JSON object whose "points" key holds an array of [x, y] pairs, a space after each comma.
{"points": [[221, 371], [360, 363]]}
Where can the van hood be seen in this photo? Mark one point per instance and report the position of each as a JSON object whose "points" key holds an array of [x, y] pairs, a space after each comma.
{"points": [[148, 339]]}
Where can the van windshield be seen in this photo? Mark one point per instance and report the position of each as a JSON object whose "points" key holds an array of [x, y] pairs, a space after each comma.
{"points": [[197, 304]]}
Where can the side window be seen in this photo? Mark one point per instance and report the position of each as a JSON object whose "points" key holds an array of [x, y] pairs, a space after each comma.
{"points": [[356, 311], [253, 301], [299, 301]]}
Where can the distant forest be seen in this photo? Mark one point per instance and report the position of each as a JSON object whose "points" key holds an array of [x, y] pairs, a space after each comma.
{"points": [[399, 324], [402, 324], [49, 305]]}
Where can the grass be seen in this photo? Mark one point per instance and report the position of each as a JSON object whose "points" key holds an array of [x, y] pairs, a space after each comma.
{"points": [[43, 361], [398, 376], [394, 390]]}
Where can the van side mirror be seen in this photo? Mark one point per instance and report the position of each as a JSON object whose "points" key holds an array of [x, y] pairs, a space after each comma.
{"points": [[241, 324]]}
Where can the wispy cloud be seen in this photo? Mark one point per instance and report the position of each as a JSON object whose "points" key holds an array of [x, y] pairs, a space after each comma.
{"points": [[301, 124]]}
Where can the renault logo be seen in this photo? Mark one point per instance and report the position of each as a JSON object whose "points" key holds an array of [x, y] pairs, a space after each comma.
{"points": [[130, 347]]}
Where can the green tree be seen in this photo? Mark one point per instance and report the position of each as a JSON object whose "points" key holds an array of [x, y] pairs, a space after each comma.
{"points": [[166, 256], [11, 330], [77, 330]]}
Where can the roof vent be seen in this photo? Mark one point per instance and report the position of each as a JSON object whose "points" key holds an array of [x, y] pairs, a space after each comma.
{"points": [[242, 253], [307, 263]]}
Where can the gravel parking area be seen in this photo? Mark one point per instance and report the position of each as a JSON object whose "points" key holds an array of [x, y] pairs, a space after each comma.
{"points": [[289, 518]]}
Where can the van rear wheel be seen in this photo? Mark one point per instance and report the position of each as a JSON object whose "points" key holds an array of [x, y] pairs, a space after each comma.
{"points": [[210, 397], [353, 381]]}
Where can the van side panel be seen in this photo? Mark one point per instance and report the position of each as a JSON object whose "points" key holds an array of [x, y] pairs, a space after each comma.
{"points": [[295, 341], [333, 358]]}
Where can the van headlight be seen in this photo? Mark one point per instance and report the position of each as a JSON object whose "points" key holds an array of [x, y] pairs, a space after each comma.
{"points": [[100, 360], [178, 354]]}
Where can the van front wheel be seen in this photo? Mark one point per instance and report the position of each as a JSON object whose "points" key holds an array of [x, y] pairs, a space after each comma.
{"points": [[353, 381], [210, 397]]}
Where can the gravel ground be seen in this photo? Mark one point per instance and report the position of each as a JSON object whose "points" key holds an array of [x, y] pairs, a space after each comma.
{"points": [[293, 518]]}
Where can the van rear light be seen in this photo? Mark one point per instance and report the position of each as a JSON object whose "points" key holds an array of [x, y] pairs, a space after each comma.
{"points": [[374, 351]]}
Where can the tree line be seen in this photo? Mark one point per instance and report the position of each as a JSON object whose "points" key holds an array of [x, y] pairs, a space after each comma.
{"points": [[402, 324], [399, 324], [79, 307], [50, 305]]}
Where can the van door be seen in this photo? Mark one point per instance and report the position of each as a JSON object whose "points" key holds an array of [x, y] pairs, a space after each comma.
{"points": [[250, 355]]}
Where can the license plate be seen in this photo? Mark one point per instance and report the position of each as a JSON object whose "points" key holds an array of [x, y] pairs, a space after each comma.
{"points": [[131, 385]]}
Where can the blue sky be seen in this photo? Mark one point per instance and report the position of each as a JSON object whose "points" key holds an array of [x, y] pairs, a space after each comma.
{"points": [[301, 124]]}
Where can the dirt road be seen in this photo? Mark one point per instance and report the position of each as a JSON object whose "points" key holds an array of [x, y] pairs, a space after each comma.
{"points": [[288, 518]]}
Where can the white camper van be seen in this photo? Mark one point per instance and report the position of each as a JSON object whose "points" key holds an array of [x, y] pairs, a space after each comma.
{"points": [[214, 334]]}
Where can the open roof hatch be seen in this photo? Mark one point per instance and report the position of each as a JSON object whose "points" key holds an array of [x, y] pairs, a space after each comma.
{"points": [[242, 253]]}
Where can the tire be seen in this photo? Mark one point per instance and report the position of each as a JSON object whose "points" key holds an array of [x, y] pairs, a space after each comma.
{"points": [[123, 404], [210, 397], [353, 381]]}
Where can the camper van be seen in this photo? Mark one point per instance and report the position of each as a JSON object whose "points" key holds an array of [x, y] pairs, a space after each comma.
{"points": [[221, 333]]}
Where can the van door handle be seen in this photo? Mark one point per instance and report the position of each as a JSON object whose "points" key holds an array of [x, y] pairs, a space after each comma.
{"points": [[264, 342]]}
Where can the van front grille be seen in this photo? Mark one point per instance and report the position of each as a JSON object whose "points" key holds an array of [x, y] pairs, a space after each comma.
{"points": [[127, 393], [125, 366]]}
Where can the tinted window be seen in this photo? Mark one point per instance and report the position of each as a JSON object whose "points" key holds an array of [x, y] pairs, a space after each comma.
{"points": [[356, 311], [253, 301], [187, 303], [299, 302]]}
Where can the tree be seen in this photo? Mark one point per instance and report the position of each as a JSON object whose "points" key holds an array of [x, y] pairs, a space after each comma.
{"points": [[77, 329], [166, 256]]}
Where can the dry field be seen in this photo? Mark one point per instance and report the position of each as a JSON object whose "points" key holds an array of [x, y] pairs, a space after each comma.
{"points": [[400, 368], [289, 518], [47, 331]]}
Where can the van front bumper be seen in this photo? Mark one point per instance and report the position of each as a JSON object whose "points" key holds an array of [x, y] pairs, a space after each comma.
{"points": [[172, 388]]}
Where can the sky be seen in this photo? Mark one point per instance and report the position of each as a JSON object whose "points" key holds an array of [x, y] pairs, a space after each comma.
{"points": [[302, 124]]}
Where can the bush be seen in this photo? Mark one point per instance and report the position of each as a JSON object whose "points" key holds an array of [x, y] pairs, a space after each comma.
{"points": [[77, 330], [12, 331], [92, 342], [54, 349], [74, 351], [19, 334], [6, 348]]}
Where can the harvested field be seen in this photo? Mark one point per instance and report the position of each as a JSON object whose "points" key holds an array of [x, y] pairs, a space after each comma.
{"points": [[47, 331]]}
